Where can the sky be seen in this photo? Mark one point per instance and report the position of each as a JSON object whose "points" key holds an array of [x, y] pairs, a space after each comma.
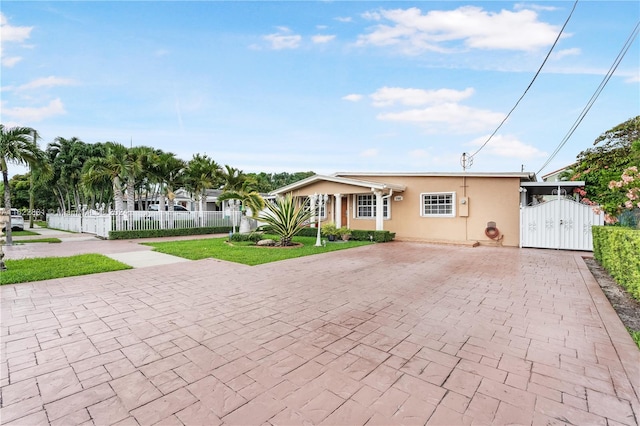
{"points": [[330, 86]]}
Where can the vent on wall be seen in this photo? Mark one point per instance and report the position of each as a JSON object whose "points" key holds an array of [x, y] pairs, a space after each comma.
{"points": [[398, 198]]}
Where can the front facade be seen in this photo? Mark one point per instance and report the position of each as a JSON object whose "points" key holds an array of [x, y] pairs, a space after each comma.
{"points": [[467, 208]]}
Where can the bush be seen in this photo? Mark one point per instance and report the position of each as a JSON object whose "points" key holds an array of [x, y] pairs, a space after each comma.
{"points": [[617, 251], [251, 236], [356, 234], [153, 233]]}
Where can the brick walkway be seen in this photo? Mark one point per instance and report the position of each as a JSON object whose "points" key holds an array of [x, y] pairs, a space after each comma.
{"points": [[396, 333]]}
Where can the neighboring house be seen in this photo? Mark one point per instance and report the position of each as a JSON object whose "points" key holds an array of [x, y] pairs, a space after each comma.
{"points": [[463, 208], [556, 175]]}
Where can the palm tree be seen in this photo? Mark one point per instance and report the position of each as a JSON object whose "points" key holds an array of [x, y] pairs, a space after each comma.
{"points": [[238, 186], [17, 146], [285, 218], [201, 174], [168, 170], [113, 165]]}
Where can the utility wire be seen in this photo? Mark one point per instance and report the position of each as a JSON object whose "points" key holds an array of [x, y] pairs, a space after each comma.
{"points": [[530, 84], [595, 95]]}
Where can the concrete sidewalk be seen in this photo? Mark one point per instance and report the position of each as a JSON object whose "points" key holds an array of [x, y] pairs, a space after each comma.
{"points": [[394, 333], [129, 252]]}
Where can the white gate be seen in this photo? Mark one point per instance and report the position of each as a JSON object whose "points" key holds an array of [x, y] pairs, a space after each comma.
{"points": [[558, 224]]}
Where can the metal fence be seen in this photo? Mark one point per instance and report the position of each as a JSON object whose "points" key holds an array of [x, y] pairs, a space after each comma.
{"points": [[101, 224]]}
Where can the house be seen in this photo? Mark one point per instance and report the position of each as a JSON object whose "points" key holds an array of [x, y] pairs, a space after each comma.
{"points": [[462, 208]]}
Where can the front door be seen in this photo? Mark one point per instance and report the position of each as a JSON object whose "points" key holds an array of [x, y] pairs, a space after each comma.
{"points": [[343, 214]]}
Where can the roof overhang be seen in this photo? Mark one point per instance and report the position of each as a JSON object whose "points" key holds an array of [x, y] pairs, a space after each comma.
{"points": [[523, 176], [340, 180], [547, 188]]}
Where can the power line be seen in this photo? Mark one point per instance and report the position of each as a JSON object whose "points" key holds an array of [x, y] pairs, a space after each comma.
{"points": [[595, 95], [530, 84]]}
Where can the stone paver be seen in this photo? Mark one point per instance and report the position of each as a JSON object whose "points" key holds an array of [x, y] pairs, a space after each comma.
{"points": [[396, 333]]}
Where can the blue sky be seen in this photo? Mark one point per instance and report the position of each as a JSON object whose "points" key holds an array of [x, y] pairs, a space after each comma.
{"points": [[323, 86]]}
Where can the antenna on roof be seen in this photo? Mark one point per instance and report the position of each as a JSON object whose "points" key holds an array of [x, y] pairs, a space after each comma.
{"points": [[466, 161]]}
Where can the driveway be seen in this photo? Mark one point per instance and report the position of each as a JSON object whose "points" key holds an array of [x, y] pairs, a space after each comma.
{"points": [[395, 333]]}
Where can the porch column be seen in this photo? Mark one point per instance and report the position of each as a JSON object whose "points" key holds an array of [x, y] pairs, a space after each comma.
{"points": [[337, 210], [312, 206], [379, 211]]}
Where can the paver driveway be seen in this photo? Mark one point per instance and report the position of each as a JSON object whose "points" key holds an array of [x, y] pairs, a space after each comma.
{"points": [[396, 333]]}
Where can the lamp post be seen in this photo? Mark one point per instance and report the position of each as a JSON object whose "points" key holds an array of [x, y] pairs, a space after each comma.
{"points": [[319, 200], [233, 205]]}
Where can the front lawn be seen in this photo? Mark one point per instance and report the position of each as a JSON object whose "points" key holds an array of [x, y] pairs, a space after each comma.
{"points": [[245, 253], [23, 233], [39, 240], [46, 268]]}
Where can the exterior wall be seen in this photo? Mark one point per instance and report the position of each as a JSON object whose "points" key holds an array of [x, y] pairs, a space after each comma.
{"points": [[488, 199]]}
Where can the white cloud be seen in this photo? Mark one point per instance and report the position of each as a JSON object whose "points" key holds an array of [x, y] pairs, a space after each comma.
{"points": [[32, 114], [11, 33], [50, 81], [344, 19], [352, 97], [456, 118], [566, 52], [10, 61], [521, 6], [371, 152], [508, 146], [322, 38], [412, 32], [388, 96], [283, 39]]}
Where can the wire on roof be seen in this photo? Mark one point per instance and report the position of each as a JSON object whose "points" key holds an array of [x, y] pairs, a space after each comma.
{"points": [[530, 84], [595, 95]]}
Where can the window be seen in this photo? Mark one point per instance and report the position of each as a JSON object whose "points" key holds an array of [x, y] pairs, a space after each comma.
{"points": [[366, 206], [323, 209], [438, 204]]}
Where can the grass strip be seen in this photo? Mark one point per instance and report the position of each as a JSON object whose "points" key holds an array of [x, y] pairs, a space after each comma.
{"points": [[245, 252], [39, 240], [46, 268], [23, 233]]}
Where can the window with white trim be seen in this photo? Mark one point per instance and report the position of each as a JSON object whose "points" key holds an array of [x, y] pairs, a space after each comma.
{"points": [[366, 206], [438, 204], [323, 208]]}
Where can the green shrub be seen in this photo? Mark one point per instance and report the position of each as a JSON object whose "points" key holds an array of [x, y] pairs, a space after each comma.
{"points": [[251, 236], [309, 232], [617, 249], [153, 233], [356, 235]]}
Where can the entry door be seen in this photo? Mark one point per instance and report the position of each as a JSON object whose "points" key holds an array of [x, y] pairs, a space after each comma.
{"points": [[558, 224], [344, 213]]}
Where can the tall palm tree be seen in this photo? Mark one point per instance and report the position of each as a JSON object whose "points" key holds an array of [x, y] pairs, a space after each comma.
{"points": [[17, 146], [201, 174], [113, 165], [169, 172], [239, 186]]}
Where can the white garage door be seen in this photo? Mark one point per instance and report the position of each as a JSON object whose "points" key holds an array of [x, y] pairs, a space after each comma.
{"points": [[558, 224]]}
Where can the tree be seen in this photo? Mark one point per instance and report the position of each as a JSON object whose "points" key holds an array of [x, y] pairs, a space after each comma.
{"points": [[614, 151], [168, 170], [17, 146], [285, 219], [249, 198], [201, 173], [112, 166]]}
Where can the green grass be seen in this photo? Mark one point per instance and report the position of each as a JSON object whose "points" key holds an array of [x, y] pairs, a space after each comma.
{"points": [[23, 233], [245, 252], [39, 240], [635, 335], [45, 268], [40, 223]]}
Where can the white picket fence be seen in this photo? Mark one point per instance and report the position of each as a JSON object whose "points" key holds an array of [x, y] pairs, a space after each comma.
{"points": [[101, 224]]}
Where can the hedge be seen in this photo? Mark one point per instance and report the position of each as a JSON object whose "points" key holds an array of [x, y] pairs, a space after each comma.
{"points": [[356, 235], [153, 233], [618, 251]]}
